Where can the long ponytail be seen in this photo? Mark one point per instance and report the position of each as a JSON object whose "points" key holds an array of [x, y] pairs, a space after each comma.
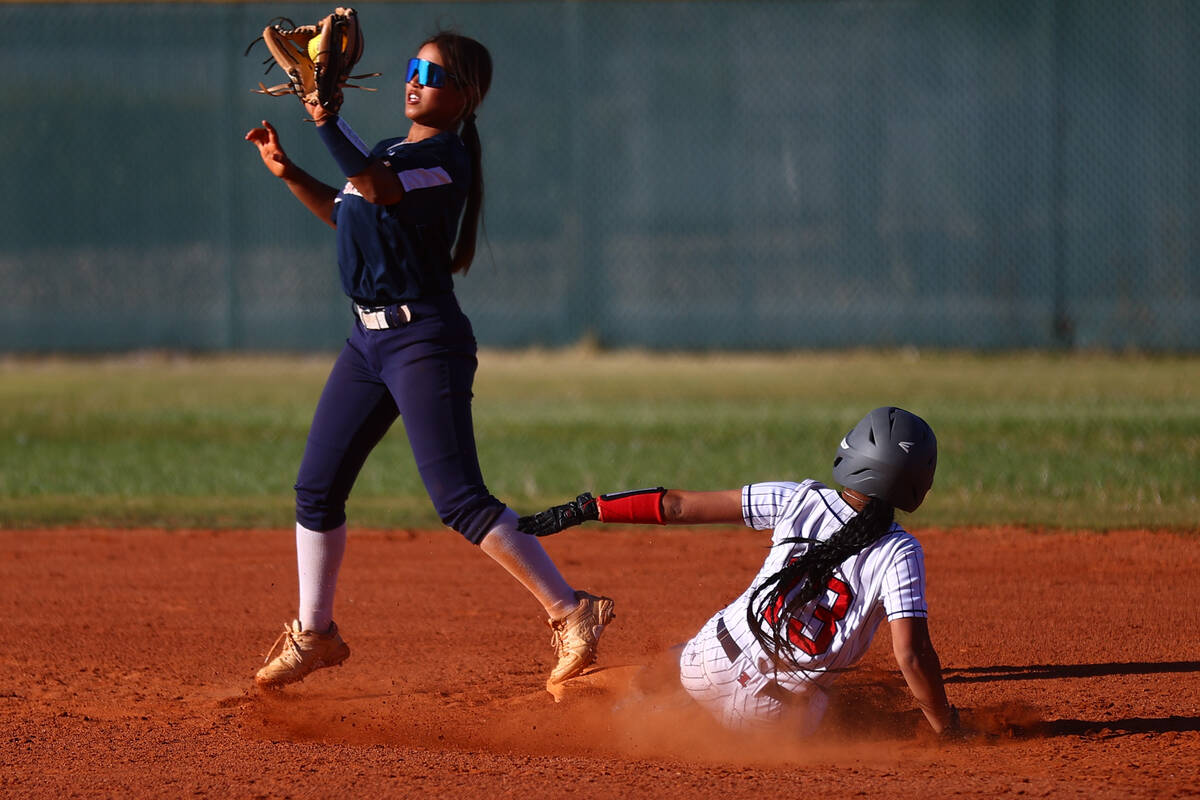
{"points": [[470, 65], [464, 246], [808, 576]]}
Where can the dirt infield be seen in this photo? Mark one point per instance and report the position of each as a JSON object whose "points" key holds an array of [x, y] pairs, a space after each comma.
{"points": [[127, 660]]}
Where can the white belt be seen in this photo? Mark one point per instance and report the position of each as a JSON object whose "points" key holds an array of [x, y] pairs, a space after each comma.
{"points": [[376, 319]]}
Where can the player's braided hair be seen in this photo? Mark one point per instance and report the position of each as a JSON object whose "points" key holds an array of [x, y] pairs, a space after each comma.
{"points": [[470, 66], [811, 572]]}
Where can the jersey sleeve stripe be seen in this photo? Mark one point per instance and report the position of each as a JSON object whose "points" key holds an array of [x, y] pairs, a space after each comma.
{"points": [[907, 612], [354, 138], [423, 178]]}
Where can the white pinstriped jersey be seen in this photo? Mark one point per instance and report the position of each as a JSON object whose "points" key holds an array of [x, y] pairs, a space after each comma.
{"points": [[884, 581]]}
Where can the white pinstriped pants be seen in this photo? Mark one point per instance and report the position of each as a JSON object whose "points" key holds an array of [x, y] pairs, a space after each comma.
{"points": [[716, 684]]}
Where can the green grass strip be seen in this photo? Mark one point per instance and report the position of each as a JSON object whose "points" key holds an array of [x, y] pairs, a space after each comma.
{"points": [[1088, 441]]}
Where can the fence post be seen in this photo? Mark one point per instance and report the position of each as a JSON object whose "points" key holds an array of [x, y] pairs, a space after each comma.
{"points": [[583, 311], [1062, 333]]}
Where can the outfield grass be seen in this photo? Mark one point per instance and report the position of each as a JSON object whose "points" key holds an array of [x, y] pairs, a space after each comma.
{"points": [[1047, 440]]}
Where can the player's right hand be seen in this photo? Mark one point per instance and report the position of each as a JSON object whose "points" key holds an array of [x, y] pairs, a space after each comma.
{"points": [[558, 518], [267, 141]]}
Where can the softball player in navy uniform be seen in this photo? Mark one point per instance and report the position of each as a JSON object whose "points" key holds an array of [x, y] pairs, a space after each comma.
{"points": [[839, 565], [411, 354]]}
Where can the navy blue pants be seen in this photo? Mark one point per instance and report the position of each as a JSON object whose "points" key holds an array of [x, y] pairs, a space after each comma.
{"points": [[421, 372]]}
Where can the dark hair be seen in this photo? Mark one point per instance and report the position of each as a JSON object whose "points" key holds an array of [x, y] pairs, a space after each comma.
{"points": [[810, 572], [470, 66]]}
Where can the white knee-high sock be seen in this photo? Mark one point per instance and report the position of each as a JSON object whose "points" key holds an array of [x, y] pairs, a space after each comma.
{"points": [[318, 559], [527, 561]]}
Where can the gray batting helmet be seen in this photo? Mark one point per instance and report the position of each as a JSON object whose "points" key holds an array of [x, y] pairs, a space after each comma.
{"points": [[891, 454]]}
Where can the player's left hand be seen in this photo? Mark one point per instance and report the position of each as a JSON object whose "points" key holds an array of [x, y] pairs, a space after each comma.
{"points": [[318, 112], [558, 518], [266, 139]]}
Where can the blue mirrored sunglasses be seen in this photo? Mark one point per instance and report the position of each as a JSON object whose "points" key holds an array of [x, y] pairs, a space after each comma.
{"points": [[427, 73]]}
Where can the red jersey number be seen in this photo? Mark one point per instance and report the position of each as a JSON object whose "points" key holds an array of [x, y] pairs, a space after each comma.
{"points": [[826, 616]]}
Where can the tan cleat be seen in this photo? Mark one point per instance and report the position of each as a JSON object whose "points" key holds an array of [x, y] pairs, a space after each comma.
{"points": [[302, 652], [575, 636]]}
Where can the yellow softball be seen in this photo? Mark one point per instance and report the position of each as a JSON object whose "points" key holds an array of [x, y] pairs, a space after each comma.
{"points": [[314, 46]]}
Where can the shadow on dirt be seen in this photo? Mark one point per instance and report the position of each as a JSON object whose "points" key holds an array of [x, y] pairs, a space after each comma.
{"points": [[1119, 727], [1036, 672]]}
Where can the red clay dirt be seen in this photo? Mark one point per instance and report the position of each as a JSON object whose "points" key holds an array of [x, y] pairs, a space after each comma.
{"points": [[128, 655]]}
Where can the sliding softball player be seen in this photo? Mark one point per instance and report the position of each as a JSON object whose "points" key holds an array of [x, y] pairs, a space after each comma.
{"points": [[839, 565]]}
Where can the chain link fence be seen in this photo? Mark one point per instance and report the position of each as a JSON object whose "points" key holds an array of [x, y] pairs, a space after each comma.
{"points": [[741, 175]]}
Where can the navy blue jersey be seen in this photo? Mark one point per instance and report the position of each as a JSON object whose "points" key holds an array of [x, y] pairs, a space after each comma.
{"points": [[391, 254]]}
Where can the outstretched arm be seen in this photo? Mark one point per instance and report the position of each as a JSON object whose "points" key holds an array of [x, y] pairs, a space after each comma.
{"points": [[317, 197], [642, 506], [922, 671], [696, 508]]}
